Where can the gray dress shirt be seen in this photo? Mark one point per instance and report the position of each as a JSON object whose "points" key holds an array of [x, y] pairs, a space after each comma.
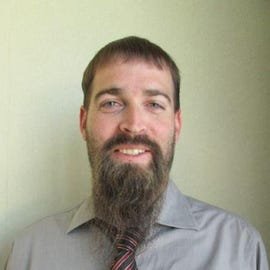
{"points": [[189, 235]]}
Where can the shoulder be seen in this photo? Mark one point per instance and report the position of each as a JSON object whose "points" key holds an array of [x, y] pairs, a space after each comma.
{"points": [[209, 220], [203, 215], [207, 214], [46, 236], [222, 223], [45, 229], [212, 232], [230, 232]]}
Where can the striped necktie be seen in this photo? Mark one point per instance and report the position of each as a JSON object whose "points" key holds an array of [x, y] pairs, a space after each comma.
{"points": [[126, 245]]}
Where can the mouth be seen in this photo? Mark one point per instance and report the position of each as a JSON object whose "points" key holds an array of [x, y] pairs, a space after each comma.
{"points": [[132, 153]]}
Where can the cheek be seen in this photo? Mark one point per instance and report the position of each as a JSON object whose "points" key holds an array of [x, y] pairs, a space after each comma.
{"points": [[163, 132], [100, 129]]}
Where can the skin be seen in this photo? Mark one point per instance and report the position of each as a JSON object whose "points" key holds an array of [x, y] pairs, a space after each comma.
{"points": [[132, 97]]}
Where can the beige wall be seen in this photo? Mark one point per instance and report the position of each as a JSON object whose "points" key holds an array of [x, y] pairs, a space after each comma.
{"points": [[222, 48]]}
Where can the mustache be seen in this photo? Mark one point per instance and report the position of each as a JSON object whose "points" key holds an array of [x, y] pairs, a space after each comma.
{"points": [[126, 139]]}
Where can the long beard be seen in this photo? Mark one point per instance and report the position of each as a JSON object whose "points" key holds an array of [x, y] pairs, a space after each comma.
{"points": [[129, 195]]}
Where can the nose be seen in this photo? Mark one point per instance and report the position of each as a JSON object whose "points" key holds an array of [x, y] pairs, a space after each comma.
{"points": [[133, 121]]}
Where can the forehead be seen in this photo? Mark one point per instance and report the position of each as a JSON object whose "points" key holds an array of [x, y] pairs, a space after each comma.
{"points": [[134, 73]]}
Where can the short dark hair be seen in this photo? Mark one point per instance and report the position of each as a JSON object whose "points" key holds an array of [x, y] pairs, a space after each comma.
{"points": [[131, 48]]}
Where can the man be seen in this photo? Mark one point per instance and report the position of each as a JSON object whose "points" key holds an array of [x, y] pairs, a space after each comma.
{"points": [[136, 218]]}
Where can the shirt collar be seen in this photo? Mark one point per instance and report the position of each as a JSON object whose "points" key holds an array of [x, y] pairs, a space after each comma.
{"points": [[83, 214], [176, 211]]}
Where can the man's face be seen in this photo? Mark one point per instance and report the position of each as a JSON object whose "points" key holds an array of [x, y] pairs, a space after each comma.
{"points": [[133, 98], [130, 129]]}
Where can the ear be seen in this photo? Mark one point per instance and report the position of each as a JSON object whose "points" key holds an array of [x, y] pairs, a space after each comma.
{"points": [[83, 121], [177, 123]]}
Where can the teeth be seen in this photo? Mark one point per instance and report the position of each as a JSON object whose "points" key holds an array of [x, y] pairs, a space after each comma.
{"points": [[132, 152]]}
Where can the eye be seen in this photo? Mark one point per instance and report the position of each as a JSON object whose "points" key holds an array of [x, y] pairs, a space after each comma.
{"points": [[111, 106], [155, 106]]}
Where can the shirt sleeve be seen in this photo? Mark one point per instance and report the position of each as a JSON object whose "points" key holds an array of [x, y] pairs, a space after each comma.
{"points": [[7, 264], [258, 256], [18, 258]]}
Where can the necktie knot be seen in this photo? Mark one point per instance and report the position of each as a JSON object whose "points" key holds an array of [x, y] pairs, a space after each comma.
{"points": [[126, 245], [128, 241]]}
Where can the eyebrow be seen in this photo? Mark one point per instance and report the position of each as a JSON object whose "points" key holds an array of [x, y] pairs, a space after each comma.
{"points": [[155, 92], [118, 91], [111, 91]]}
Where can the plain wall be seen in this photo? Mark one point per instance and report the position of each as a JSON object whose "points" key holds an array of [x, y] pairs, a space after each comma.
{"points": [[222, 49]]}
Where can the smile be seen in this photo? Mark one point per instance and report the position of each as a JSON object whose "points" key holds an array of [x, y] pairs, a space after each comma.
{"points": [[132, 152]]}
